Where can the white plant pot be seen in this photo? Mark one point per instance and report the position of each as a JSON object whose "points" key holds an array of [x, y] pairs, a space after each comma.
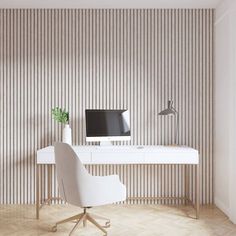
{"points": [[67, 135]]}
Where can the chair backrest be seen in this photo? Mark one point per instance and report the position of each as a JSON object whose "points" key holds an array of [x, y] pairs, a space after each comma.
{"points": [[71, 174]]}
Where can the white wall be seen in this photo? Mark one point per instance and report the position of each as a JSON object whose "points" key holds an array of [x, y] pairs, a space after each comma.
{"points": [[109, 4], [225, 109], [81, 59]]}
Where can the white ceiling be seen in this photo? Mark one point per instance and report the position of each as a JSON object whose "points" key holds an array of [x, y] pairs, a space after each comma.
{"points": [[109, 3]]}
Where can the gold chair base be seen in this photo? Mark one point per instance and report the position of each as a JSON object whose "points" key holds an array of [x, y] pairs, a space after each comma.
{"points": [[84, 217]]}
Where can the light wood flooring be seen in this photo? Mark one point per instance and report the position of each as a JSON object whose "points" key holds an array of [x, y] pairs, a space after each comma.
{"points": [[127, 220]]}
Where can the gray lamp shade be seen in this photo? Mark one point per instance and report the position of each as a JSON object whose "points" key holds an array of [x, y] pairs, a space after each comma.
{"points": [[169, 111], [172, 111]]}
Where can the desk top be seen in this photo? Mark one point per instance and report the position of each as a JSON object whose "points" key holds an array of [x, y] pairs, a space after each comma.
{"points": [[126, 148], [126, 155]]}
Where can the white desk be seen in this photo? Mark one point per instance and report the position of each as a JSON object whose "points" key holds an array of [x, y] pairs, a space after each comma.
{"points": [[176, 155]]}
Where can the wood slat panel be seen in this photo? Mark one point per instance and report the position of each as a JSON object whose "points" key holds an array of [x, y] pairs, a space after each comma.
{"points": [[111, 59]]}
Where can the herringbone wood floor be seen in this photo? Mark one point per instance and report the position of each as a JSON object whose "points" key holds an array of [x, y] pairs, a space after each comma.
{"points": [[127, 220]]}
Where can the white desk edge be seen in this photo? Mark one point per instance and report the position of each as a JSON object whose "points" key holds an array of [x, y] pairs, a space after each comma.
{"points": [[130, 155]]}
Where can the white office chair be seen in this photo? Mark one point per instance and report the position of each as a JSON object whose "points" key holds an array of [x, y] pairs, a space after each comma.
{"points": [[79, 188]]}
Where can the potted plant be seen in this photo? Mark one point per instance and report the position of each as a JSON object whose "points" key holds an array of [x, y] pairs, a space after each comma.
{"points": [[62, 116]]}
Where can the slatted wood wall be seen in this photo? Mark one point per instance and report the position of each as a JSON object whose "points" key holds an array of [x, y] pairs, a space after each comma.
{"points": [[78, 59]]}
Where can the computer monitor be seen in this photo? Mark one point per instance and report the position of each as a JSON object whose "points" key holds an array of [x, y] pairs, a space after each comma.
{"points": [[107, 125]]}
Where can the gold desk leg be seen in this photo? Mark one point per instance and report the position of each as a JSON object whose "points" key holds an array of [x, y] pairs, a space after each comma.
{"points": [[197, 190], [49, 183], [186, 184], [37, 190]]}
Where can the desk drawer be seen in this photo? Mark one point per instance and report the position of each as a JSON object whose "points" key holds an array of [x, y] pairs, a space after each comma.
{"points": [[171, 158], [117, 158], [45, 158]]}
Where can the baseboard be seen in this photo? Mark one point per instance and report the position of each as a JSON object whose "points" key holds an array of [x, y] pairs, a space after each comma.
{"points": [[222, 207]]}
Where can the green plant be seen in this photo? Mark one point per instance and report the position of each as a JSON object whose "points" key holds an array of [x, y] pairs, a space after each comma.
{"points": [[62, 116]]}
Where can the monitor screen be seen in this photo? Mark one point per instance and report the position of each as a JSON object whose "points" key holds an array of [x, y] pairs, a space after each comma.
{"points": [[107, 123]]}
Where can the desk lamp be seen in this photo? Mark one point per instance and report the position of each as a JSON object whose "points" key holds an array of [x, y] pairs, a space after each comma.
{"points": [[172, 111]]}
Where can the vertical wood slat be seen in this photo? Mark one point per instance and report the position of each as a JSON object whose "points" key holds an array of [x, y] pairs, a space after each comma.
{"points": [[78, 59]]}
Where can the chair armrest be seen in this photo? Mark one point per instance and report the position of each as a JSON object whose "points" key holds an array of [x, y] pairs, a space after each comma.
{"points": [[107, 182], [107, 189]]}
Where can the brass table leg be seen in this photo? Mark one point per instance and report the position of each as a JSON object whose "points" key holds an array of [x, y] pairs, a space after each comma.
{"points": [[49, 183], [37, 190], [197, 190], [186, 184]]}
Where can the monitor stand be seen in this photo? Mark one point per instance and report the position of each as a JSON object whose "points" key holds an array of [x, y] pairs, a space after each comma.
{"points": [[105, 143]]}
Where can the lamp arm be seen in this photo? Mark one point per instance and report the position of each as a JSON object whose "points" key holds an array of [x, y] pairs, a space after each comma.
{"points": [[174, 110]]}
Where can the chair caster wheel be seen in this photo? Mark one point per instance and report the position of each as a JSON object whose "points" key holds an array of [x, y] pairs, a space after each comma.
{"points": [[107, 224], [54, 228]]}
